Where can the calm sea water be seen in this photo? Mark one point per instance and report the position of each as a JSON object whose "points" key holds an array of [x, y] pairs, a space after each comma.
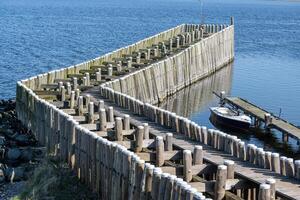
{"points": [[37, 36]]}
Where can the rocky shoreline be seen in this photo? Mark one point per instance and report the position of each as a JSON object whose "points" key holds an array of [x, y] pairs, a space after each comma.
{"points": [[19, 151]]}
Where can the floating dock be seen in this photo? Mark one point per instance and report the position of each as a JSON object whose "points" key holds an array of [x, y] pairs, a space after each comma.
{"points": [[260, 114]]}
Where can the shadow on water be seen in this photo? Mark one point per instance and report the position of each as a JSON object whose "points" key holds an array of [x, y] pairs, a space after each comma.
{"points": [[194, 101]]}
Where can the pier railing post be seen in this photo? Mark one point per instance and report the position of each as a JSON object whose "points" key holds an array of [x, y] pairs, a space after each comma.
{"points": [[221, 178]]}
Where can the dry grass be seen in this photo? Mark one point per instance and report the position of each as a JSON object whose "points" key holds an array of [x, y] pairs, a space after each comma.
{"points": [[53, 180]]}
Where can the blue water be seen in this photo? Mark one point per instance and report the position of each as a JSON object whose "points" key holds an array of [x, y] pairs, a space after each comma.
{"points": [[37, 36]]}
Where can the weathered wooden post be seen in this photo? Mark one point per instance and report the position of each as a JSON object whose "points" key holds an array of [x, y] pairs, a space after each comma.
{"points": [[102, 120], [198, 155], [110, 70], [268, 120], [101, 105], [268, 160], [119, 129], [159, 143], [87, 75], [80, 106], [75, 83], [69, 88], [282, 165], [111, 114], [126, 122], [98, 75], [289, 167], [264, 192], [139, 137], [77, 94], [275, 162], [62, 93], [177, 42], [297, 169], [272, 183], [138, 58], [187, 165], [146, 131], [221, 177], [72, 100], [230, 168], [169, 142], [91, 113]]}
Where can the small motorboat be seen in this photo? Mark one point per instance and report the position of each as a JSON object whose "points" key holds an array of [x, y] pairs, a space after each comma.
{"points": [[229, 118]]}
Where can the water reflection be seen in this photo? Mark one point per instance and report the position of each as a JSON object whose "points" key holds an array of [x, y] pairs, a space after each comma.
{"points": [[194, 101], [197, 97]]}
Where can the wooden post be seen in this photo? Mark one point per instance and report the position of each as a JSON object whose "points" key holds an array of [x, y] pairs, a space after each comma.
{"points": [[111, 114], [101, 105], [268, 160], [230, 168], [198, 155], [264, 192], [169, 142], [275, 162], [80, 106], [119, 129], [268, 120], [272, 183], [75, 83], [69, 88], [62, 93], [126, 122], [289, 167], [87, 100], [77, 94], [159, 151], [87, 75], [297, 169], [221, 177], [102, 120], [98, 76], [282, 165], [139, 137], [155, 183], [91, 113], [72, 100], [187, 165], [110, 71], [146, 131]]}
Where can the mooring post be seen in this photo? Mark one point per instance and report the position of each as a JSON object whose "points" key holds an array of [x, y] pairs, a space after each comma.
{"points": [[126, 122], [159, 143], [98, 75], [282, 165], [221, 177], [91, 113], [169, 142], [297, 169], [187, 165], [198, 155], [69, 88], [80, 106], [272, 183], [268, 120], [289, 167], [72, 100], [87, 100], [87, 75], [138, 58], [146, 131], [77, 94], [110, 70], [62, 93], [119, 129], [264, 192], [139, 137], [275, 162], [111, 114], [75, 83], [230, 168], [102, 120]]}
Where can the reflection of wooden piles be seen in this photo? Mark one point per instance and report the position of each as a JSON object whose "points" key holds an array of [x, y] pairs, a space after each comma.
{"points": [[195, 97]]}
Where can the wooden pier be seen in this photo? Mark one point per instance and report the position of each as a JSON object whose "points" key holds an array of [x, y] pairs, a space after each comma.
{"points": [[99, 118], [260, 114]]}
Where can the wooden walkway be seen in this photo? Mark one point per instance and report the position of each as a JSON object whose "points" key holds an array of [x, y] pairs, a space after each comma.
{"points": [[259, 113], [287, 188]]}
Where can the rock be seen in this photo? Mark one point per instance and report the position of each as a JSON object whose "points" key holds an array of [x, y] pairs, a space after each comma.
{"points": [[13, 154], [26, 155], [22, 139], [2, 177], [15, 174], [2, 141]]}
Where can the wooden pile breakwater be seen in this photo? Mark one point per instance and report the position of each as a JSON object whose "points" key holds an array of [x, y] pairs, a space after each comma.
{"points": [[82, 121]]}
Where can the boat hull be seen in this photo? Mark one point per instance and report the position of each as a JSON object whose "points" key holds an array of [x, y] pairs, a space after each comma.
{"points": [[228, 123]]}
